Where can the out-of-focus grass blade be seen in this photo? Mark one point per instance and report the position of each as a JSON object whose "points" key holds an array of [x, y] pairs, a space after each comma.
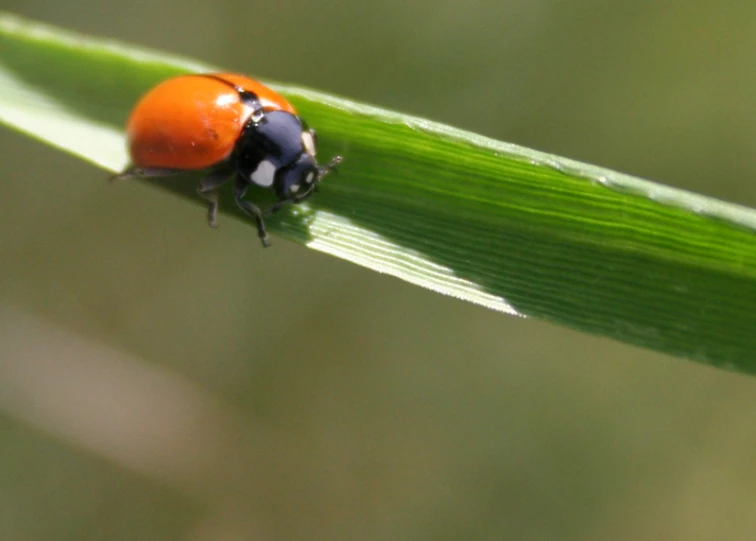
{"points": [[509, 228]]}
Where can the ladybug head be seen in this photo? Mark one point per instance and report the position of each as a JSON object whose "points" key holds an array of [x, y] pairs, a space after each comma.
{"points": [[297, 180], [278, 151]]}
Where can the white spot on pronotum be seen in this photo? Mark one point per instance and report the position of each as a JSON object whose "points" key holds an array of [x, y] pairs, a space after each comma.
{"points": [[263, 175], [308, 143], [294, 188], [310, 177]]}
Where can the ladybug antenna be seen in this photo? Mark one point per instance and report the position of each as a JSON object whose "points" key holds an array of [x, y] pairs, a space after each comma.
{"points": [[331, 166]]}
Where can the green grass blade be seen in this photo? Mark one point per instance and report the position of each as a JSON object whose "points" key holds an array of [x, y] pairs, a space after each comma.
{"points": [[495, 224]]}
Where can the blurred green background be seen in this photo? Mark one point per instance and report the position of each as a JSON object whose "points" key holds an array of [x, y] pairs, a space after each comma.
{"points": [[160, 380]]}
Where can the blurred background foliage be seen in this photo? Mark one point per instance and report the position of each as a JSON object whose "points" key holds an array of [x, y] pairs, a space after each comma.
{"points": [[159, 380]]}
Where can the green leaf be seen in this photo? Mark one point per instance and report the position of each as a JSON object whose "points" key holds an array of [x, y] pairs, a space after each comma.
{"points": [[492, 223]]}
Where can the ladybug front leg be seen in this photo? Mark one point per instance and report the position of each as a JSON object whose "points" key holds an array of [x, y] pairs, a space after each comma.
{"points": [[208, 190], [250, 209], [278, 205]]}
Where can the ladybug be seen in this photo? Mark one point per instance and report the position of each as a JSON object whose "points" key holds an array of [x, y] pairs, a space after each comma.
{"points": [[230, 125]]}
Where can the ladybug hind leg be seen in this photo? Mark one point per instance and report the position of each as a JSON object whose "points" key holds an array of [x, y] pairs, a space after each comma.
{"points": [[144, 172]]}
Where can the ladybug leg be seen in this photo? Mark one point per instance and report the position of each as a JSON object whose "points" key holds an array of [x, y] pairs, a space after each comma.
{"points": [[250, 209], [278, 205], [275, 207], [143, 172], [208, 190]]}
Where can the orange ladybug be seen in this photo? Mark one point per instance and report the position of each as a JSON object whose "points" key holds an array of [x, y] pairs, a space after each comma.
{"points": [[230, 125]]}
